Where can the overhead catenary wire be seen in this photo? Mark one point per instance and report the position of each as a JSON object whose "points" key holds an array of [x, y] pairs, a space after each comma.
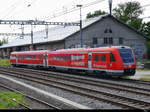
{"points": [[147, 5], [75, 9], [26, 4], [72, 10], [61, 13], [11, 8]]}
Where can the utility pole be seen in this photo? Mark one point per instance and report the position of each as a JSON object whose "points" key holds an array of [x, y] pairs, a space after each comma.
{"points": [[81, 37], [110, 7], [22, 31], [46, 28], [31, 47]]}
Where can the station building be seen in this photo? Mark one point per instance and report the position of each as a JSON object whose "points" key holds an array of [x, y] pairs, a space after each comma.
{"points": [[97, 32]]}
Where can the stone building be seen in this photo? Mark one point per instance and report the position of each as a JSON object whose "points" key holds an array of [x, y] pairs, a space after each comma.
{"points": [[100, 31]]}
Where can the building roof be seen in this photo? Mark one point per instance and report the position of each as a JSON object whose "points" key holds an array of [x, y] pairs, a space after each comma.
{"points": [[57, 33]]}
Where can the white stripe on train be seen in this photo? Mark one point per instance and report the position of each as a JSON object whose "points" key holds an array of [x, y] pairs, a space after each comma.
{"points": [[79, 68]]}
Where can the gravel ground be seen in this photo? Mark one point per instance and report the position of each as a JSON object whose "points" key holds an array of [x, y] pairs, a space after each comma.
{"points": [[109, 90], [92, 103], [34, 104], [115, 81], [88, 101], [29, 101], [3, 89], [34, 93]]}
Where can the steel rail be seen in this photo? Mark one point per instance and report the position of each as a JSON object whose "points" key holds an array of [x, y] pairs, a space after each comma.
{"points": [[107, 97], [105, 84], [28, 96]]}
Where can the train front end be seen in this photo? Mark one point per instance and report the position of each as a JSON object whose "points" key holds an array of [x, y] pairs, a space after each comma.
{"points": [[128, 61]]}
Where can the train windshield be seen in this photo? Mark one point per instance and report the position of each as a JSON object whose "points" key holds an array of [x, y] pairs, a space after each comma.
{"points": [[126, 55]]}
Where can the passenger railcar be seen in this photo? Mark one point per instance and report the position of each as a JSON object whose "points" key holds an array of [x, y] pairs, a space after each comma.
{"points": [[30, 58], [115, 60]]}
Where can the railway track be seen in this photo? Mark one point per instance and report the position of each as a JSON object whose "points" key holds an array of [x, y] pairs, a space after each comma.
{"points": [[80, 74], [89, 81], [23, 106], [53, 81]]}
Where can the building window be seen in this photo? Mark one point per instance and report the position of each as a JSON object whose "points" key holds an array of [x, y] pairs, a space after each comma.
{"points": [[105, 40], [108, 30], [120, 40], [108, 40], [95, 41], [105, 31]]}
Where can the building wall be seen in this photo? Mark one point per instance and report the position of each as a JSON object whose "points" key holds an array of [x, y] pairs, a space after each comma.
{"points": [[109, 28], [93, 36], [50, 46]]}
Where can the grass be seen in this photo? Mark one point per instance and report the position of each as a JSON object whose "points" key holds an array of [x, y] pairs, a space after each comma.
{"points": [[6, 101], [145, 79], [5, 62], [143, 69]]}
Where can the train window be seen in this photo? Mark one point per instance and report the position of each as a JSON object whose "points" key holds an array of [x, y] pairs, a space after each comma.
{"points": [[96, 58], [103, 57], [112, 58], [34, 57], [67, 57]]}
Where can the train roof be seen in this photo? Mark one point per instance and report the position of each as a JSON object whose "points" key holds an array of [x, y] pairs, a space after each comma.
{"points": [[109, 48], [33, 52], [75, 50]]}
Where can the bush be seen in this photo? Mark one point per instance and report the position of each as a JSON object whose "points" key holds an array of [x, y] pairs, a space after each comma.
{"points": [[5, 62], [148, 49]]}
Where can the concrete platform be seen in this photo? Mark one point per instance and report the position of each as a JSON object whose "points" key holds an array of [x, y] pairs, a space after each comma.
{"points": [[141, 74]]}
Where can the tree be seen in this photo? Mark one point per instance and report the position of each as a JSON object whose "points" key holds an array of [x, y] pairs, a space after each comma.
{"points": [[148, 49], [145, 29], [136, 24], [128, 11], [3, 41], [96, 13]]}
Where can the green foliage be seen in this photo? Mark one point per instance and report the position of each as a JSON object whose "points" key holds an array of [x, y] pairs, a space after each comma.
{"points": [[6, 101], [128, 11], [136, 24], [3, 41], [96, 13], [4, 62], [145, 29], [145, 79], [148, 49]]}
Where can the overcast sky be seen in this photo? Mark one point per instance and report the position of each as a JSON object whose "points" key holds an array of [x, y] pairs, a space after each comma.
{"points": [[49, 10]]}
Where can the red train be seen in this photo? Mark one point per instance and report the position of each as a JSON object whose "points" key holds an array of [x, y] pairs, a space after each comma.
{"points": [[114, 60]]}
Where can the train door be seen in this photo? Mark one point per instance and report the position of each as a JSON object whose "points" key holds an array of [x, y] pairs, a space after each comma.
{"points": [[89, 61], [17, 59], [45, 60], [100, 61]]}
